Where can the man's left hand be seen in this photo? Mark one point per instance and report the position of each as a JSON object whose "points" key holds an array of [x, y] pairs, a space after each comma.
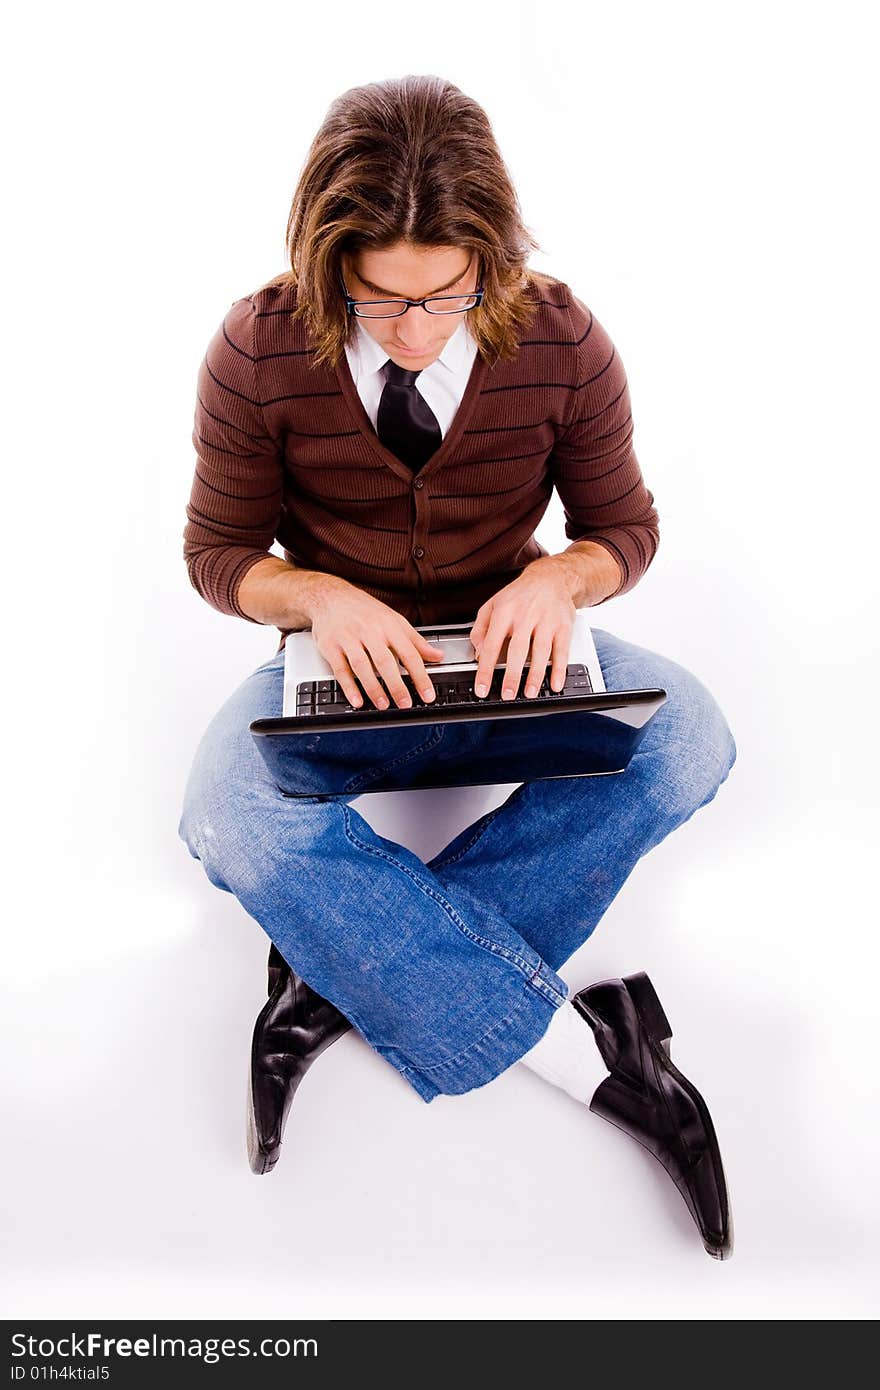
{"points": [[536, 611]]}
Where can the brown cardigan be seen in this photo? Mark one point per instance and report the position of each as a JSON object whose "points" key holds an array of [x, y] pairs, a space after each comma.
{"points": [[287, 453]]}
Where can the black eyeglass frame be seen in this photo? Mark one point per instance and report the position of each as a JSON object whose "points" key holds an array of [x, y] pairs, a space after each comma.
{"points": [[351, 304]]}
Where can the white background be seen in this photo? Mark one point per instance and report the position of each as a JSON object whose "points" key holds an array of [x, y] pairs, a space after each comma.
{"points": [[702, 176]]}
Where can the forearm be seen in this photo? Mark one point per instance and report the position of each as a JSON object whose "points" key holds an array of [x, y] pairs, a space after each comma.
{"points": [[594, 573], [280, 595]]}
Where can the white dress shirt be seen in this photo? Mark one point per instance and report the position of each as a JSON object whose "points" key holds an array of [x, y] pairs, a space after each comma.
{"points": [[442, 384]]}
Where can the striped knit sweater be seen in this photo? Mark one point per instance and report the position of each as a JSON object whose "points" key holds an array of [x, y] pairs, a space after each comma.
{"points": [[286, 453]]}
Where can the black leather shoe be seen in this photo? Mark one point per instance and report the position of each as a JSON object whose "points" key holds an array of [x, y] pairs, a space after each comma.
{"points": [[649, 1098], [294, 1027]]}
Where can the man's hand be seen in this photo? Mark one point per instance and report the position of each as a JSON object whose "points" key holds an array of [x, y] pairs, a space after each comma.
{"points": [[362, 638], [536, 611]]}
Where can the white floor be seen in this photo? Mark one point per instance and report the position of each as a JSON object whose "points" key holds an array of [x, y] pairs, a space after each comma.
{"points": [[721, 228], [127, 1191]]}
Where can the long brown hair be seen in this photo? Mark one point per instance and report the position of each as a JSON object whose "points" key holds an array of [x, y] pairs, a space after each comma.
{"points": [[409, 159]]}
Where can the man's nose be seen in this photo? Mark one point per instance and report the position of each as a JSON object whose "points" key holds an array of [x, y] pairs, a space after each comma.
{"points": [[415, 327]]}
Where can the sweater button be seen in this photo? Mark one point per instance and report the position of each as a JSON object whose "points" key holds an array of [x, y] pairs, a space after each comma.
{"points": [[419, 482], [418, 552]]}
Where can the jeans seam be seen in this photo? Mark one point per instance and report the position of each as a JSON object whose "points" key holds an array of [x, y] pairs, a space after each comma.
{"points": [[443, 863], [478, 1042], [525, 966], [372, 773]]}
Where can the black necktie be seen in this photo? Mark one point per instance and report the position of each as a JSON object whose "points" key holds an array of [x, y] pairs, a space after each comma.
{"points": [[406, 424]]}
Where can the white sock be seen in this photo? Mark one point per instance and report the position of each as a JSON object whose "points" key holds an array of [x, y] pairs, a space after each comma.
{"points": [[567, 1055]]}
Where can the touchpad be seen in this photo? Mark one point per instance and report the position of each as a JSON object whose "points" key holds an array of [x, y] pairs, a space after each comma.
{"points": [[457, 651]]}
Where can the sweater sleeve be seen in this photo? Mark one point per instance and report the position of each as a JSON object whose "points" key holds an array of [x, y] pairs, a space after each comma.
{"points": [[236, 498], [593, 465]]}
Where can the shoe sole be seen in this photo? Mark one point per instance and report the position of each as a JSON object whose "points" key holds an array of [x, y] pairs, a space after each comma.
{"points": [[259, 1160], [659, 1031]]}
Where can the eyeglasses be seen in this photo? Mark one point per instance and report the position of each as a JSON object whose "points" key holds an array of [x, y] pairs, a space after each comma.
{"points": [[393, 308]]}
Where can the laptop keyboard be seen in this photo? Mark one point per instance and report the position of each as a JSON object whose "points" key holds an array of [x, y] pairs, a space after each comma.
{"points": [[452, 688]]}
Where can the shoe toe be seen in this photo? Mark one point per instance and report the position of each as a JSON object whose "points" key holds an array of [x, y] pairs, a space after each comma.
{"points": [[671, 1120], [265, 1116], [705, 1191]]}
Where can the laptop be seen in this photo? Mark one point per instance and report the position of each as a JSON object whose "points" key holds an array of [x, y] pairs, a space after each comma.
{"points": [[314, 748]]}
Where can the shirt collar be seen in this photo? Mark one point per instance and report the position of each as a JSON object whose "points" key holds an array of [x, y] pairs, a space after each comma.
{"points": [[370, 356]]}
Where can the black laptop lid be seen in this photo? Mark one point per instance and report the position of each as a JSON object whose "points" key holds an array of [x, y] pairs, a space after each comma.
{"points": [[406, 749]]}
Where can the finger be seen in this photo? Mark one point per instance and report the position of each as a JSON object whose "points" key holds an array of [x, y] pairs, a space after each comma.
{"points": [[478, 632], [561, 648], [542, 643], [344, 678], [489, 651], [517, 651], [425, 648], [387, 666], [411, 658], [363, 668]]}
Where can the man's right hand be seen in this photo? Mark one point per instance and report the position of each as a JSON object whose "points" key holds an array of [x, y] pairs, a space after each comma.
{"points": [[361, 638]]}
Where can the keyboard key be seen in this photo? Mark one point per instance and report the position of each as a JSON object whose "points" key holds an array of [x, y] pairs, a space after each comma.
{"points": [[451, 689]]}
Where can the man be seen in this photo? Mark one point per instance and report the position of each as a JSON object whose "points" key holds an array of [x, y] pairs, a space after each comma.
{"points": [[396, 411]]}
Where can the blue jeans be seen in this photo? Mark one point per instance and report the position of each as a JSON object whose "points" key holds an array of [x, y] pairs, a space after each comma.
{"points": [[447, 969]]}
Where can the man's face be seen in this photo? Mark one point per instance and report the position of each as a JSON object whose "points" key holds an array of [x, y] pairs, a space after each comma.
{"points": [[415, 339]]}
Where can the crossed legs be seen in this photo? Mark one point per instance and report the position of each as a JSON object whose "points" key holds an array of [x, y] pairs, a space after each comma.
{"points": [[448, 969]]}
